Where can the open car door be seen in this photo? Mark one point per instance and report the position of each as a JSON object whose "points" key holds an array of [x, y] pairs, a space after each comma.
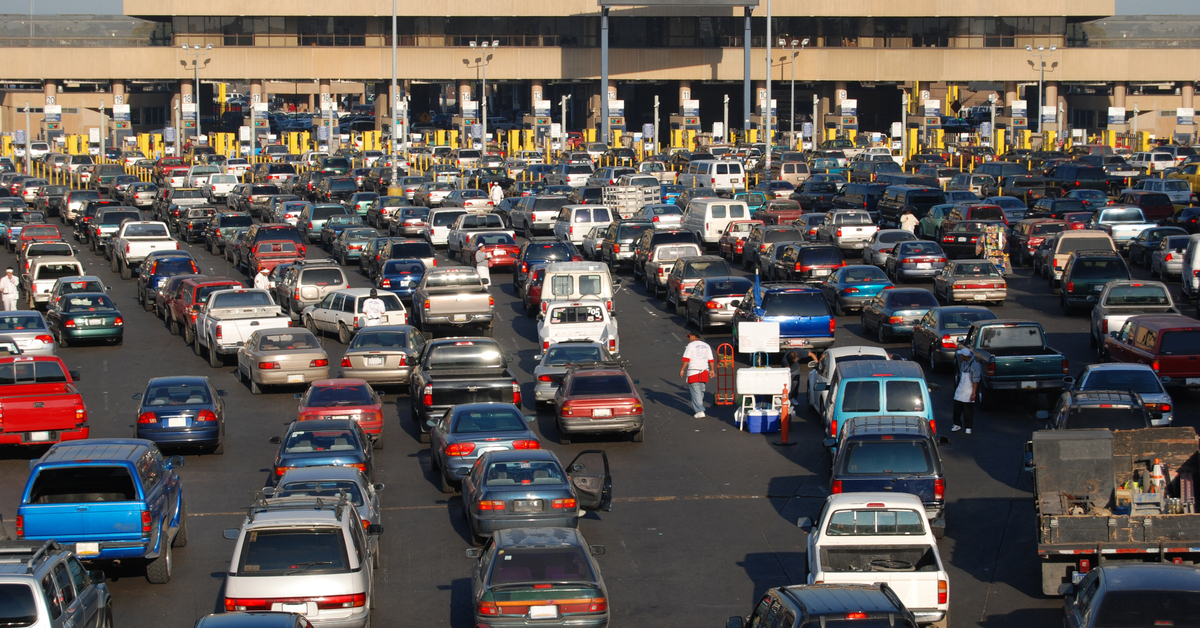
{"points": [[589, 475]]}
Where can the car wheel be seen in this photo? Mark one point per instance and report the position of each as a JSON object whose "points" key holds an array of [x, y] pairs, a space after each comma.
{"points": [[312, 326], [173, 327], [679, 307], [1100, 355], [126, 272], [837, 308], [181, 535], [881, 335], [344, 335], [146, 304], [196, 346], [158, 571], [62, 340], [115, 268], [214, 359]]}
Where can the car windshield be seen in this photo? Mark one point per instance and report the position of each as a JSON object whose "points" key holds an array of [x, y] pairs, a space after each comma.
{"points": [[359, 234], [798, 304], [1012, 337], [83, 303], [491, 420], [1071, 245], [288, 342], [445, 219], [379, 340], [728, 287], [339, 396], [1180, 342], [174, 267], [910, 299], [1128, 214], [1138, 380], [892, 237], [876, 523], [976, 269], [176, 395], [516, 473], [453, 279], [893, 457], [465, 354], [1099, 269], [1177, 243], [303, 441], [852, 219], [322, 488], [37, 372], [860, 274], [918, 248], [17, 608], [963, 320], [696, 270], [22, 322], [561, 354], [608, 384], [1137, 295], [1126, 609], [557, 251], [146, 231], [820, 255], [1044, 229], [494, 239], [411, 250], [541, 565], [317, 550]]}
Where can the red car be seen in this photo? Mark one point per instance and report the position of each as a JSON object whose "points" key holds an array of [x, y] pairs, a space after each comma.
{"points": [[1167, 343], [532, 297], [40, 401], [344, 398], [37, 233], [733, 239], [503, 247], [598, 399], [183, 307], [1077, 220], [271, 253]]}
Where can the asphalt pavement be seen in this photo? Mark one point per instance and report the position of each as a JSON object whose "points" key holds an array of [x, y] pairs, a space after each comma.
{"points": [[704, 516]]}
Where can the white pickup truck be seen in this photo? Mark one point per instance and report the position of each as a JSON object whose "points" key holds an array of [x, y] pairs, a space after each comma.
{"points": [[135, 241], [585, 319], [1122, 222], [849, 230], [467, 225], [228, 319], [865, 538]]}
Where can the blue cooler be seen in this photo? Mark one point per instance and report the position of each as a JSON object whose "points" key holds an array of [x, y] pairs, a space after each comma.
{"points": [[762, 421]]}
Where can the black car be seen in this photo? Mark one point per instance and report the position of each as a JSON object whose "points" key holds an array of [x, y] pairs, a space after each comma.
{"points": [[828, 606], [962, 238], [541, 249], [1097, 409], [1187, 219], [805, 262], [936, 336], [815, 196], [1084, 277], [1133, 594], [1144, 243], [1069, 176]]}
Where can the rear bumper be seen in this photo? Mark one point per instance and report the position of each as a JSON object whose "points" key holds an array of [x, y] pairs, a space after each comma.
{"points": [[487, 525], [629, 423], [928, 616], [94, 334], [924, 273], [471, 319], [816, 344], [302, 376], [978, 295], [380, 376], [1074, 300], [52, 436], [197, 437], [1018, 384]]}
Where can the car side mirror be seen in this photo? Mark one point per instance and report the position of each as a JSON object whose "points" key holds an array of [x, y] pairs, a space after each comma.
{"points": [[829, 443], [821, 387], [297, 396], [1113, 334], [230, 533], [934, 386], [378, 486], [431, 422], [475, 552], [1043, 415], [596, 550], [136, 396], [735, 622], [804, 523], [1066, 589], [375, 529], [1068, 380], [275, 440], [222, 393], [812, 364], [462, 472], [1165, 379], [943, 441], [529, 418], [174, 461], [76, 375], [97, 576]]}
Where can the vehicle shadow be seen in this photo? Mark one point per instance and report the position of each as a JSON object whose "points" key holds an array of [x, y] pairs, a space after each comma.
{"points": [[772, 569], [454, 514], [1018, 618], [462, 603], [679, 400]]}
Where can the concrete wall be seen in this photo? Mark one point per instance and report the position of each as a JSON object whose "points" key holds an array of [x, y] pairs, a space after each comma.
{"points": [[12, 104]]}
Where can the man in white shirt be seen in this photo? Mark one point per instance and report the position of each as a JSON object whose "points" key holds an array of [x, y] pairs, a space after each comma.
{"points": [[697, 367], [497, 193], [909, 222], [10, 289], [374, 309], [261, 281]]}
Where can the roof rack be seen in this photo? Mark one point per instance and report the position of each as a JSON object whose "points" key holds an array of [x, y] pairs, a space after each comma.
{"points": [[597, 364], [261, 504], [38, 553]]}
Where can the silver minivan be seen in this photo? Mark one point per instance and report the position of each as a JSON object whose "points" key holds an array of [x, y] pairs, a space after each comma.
{"points": [[575, 221]]}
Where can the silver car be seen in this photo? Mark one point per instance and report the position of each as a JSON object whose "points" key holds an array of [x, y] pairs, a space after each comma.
{"points": [[550, 371], [384, 354], [1167, 259], [1139, 378], [329, 481], [663, 215], [882, 243], [28, 329]]}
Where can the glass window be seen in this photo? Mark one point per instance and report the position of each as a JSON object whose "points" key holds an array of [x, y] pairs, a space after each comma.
{"points": [[277, 552], [905, 396], [63, 580], [861, 396], [875, 522], [52, 599]]}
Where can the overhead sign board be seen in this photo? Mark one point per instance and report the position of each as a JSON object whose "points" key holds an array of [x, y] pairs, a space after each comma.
{"points": [[850, 107], [53, 113], [1185, 116], [616, 108], [1049, 113], [541, 107], [933, 108], [189, 110], [1020, 109], [691, 108], [1116, 115], [121, 113]]}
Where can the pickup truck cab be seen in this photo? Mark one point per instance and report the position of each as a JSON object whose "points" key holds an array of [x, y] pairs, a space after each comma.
{"points": [[42, 275], [135, 240], [849, 230], [453, 297], [1121, 299], [1122, 223], [806, 606], [1168, 343], [461, 370], [1086, 274], [1068, 242], [805, 321], [585, 319], [228, 319], [467, 225], [891, 453], [571, 281], [1014, 356], [41, 403], [113, 498], [868, 538]]}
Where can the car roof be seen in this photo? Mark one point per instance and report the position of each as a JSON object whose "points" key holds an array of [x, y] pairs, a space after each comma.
{"points": [[98, 449], [326, 472], [517, 538], [177, 380], [1098, 397], [264, 619], [861, 500], [880, 368], [313, 425], [837, 352], [539, 455], [1166, 321], [1151, 577], [886, 425], [839, 599]]}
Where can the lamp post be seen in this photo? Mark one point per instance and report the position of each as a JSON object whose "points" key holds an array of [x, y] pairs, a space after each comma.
{"points": [[195, 52], [767, 101], [393, 101], [791, 45], [1041, 53], [481, 62]]}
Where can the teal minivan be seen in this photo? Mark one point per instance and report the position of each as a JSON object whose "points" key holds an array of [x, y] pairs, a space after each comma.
{"points": [[876, 387]]}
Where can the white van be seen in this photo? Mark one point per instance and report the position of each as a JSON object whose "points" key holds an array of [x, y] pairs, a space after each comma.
{"points": [[575, 221], [708, 217], [439, 224], [572, 281], [722, 176], [1190, 278]]}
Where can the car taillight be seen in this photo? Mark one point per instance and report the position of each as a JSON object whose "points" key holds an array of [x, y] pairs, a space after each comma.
{"points": [[833, 428], [545, 346], [206, 415], [948, 342], [318, 363], [564, 503], [492, 301], [267, 366], [714, 305], [526, 444], [126, 247], [1070, 286], [1065, 368], [895, 320], [616, 248], [991, 368], [612, 345], [357, 465], [939, 488], [218, 332], [836, 488], [1169, 257], [516, 390], [69, 323], [44, 339], [545, 378], [491, 505], [145, 521], [246, 604], [346, 363], [460, 449], [426, 304], [20, 526], [146, 418], [943, 592], [427, 395]]}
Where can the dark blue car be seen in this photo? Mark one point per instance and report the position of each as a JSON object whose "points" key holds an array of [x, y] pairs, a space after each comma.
{"points": [[157, 270], [400, 277], [805, 321], [325, 442], [182, 411], [670, 192]]}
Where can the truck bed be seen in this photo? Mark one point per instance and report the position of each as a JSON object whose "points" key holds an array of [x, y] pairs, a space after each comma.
{"points": [[878, 558]]}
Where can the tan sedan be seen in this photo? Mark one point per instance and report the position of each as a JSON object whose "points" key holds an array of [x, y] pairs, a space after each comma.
{"points": [[970, 281], [281, 357]]}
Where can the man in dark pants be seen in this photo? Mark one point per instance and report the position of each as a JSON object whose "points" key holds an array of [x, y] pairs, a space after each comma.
{"points": [[966, 389]]}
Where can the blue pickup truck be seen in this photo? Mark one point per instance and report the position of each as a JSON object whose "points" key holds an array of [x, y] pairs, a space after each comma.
{"points": [[805, 321], [108, 498]]}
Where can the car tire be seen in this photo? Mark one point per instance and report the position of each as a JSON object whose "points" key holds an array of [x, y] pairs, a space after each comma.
{"points": [[181, 535], [63, 343], [422, 437], [446, 486], [310, 325], [146, 304], [219, 448], [196, 346], [344, 335], [214, 359], [881, 334], [126, 272], [377, 442], [342, 259], [115, 268], [158, 571], [837, 308], [679, 307]]}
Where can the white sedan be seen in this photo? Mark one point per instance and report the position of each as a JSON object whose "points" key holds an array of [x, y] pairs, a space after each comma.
{"points": [[876, 250], [663, 215]]}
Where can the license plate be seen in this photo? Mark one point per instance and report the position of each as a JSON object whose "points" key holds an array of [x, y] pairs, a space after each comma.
{"points": [[527, 505], [1028, 385], [924, 265], [295, 379], [602, 413], [1192, 381], [39, 436], [821, 272], [374, 360], [1076, 577], [95, 321], [294, 608], [858, 245], [962, 239], [543, 612], [981, 297], [460, 317], [1097, 287], [404, 282], [500, 253], [177, 422], [796, 342], [87, 549]]}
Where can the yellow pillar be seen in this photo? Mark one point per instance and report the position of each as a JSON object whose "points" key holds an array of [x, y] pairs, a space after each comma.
{"points": [[938, 138], [453, 137], [691, 139], [851, 134], [6, 146], [440, 136], [752, 135], [999, 145], [590, 135], [1049, 141], [912, 142]]}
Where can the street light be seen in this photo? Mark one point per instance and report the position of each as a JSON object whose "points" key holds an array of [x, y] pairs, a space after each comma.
{"points": [[482, 63], [195, 52], [784, 43], [1041, 53]]}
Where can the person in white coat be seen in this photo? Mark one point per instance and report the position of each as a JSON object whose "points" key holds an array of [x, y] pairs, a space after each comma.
{"points": [[909, 222], [497, 193], [10, 289], [374, 309], [261, 280], [481, 263]]}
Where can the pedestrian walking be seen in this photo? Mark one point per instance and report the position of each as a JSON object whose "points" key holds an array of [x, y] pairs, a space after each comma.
{"points": [[966, 390], [909, 222], [481, 262], [497, 193], [10, 289], [697, 367]]}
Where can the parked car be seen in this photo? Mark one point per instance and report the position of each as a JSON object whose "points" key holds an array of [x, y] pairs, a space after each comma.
{"points": [[973, 281], [183, 411], [894, 312]]}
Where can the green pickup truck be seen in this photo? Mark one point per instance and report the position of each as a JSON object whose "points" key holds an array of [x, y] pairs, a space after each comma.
{"points": [[1014, 356]]}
